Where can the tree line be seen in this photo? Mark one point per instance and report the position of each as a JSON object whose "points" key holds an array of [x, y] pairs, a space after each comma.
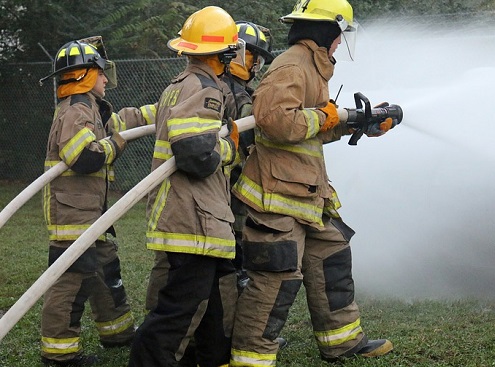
{"points": [[33, 30]]}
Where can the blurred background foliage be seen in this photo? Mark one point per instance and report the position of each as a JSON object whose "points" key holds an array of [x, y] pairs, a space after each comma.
{"points": [[141, 28], [136, 35]]}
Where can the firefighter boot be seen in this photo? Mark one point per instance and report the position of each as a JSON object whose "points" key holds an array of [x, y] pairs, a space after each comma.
{"points": [[375, 348], [365, 348], [282, 343]]}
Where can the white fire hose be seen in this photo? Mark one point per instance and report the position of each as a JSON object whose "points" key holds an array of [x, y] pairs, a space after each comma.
{"points": [[48, 278], [31, 190]]}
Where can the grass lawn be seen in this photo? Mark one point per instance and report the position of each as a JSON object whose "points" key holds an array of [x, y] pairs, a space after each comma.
{"points": [[425, 333]]}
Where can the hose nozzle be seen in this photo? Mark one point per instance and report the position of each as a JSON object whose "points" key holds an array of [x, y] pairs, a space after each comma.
{"points": [[361, 119]]}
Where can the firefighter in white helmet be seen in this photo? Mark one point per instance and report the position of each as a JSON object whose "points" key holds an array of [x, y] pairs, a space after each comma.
{"points": [[293, 232], [76, 199], [189, 217]]}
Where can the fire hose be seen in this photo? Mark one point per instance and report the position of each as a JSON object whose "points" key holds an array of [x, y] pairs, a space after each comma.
{"points": [[26, 194], [122, 206]]}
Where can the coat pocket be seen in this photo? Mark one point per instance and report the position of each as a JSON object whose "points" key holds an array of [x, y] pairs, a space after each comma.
{"points": [[295, 180], [215, 216], [77, 208]]}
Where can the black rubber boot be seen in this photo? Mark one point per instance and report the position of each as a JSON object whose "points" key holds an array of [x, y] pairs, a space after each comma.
{"points": [[365, 348]]}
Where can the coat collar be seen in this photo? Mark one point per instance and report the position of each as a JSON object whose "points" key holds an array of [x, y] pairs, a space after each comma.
{"points": [[320, 57]]}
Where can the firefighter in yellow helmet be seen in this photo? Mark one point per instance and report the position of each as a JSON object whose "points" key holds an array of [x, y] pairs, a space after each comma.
{"points": [[293, 232], [189, 217], [75, 200]]}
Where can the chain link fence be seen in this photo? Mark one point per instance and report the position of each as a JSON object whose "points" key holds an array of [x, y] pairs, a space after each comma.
{"points": [[27, 110]]}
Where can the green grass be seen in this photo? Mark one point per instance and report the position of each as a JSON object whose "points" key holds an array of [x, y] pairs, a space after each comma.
{"points": [[425, 332]]}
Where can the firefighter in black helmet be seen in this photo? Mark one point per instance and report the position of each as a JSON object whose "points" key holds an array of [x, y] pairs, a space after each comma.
{"points": [[73, 201], [257, 54]]}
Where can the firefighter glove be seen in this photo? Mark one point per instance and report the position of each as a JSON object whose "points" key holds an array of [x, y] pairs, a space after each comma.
{"points": [[379, 128], [332, 116], [118, 142], [233, 132]]}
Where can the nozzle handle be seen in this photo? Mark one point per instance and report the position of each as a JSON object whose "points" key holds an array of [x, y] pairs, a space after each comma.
{"points": [[361, 119], [363, 116]]}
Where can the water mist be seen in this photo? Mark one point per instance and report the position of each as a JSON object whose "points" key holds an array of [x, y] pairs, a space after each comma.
{"points": [[422, 198]]}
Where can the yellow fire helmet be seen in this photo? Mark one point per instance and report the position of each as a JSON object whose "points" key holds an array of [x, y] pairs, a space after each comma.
{"points": [[208, 31], [339, 11]]}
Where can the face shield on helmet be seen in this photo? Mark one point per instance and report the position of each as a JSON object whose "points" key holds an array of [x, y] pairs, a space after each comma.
{"points": [[109, 69], [258, 64], [346, 49], [339, 11], [240, 53]]}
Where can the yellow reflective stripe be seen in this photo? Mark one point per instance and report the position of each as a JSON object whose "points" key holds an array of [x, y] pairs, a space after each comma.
{"points": [[76, 145], [109, 150], [191, 244], [117, 123], [60, 346], [277, 203], [68, 232], [311, 147], [159, 204], [116, 326], [335, 204], [250, 190], [338, 336], [46, 203], [245, 358], [50, 164], [192, 125], [162, 150], [110, 173], [102, 173], [313, 121], [149, 112], [226, 152]]}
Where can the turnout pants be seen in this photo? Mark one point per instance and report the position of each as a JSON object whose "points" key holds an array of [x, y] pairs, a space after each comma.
{"points": [[158, 278], [95, 276], [198, 300], [280, 254]]}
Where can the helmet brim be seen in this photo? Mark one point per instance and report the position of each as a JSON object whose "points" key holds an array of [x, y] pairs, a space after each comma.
{"points": [[262, 52], [289, 19]]}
